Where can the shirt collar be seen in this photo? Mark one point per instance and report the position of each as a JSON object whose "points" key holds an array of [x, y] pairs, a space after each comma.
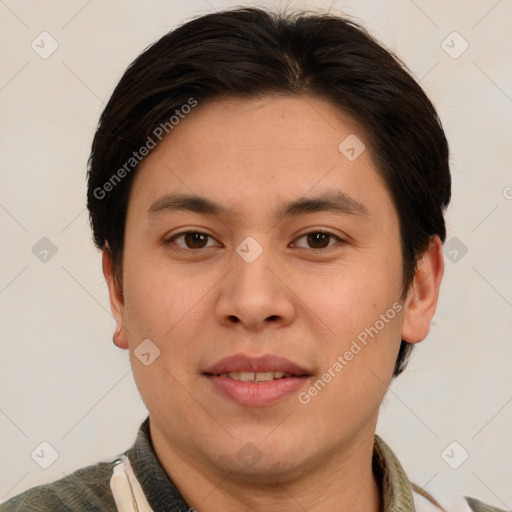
{"points": [[163, 496], [395, 487], [158, 488]]}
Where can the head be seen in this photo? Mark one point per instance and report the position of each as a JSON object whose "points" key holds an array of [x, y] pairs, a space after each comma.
{"points": [[262, 120]]}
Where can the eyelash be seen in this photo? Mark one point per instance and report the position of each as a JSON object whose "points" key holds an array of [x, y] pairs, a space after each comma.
{"points": [[183, 233]]}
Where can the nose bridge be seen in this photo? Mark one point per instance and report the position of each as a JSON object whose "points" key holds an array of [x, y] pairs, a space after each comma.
{"points": [[252, 268], [252, 293], [251, 272]]}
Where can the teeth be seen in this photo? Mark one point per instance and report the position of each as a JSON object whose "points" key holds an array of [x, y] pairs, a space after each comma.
{"points": [[255, 376], [248, 376]]}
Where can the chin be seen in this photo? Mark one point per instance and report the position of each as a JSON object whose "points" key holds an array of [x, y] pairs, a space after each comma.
{"points": [[254, 459]]}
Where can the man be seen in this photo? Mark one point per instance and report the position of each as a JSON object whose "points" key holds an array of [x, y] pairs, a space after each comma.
{"points": [[268, 194]]}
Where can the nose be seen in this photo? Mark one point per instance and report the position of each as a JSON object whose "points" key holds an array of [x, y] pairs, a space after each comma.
{"points": [[255, 294]]}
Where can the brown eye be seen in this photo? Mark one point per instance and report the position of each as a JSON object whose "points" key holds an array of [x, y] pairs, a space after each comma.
{"points": [[318, 240], [191, 240], [195, 240]]}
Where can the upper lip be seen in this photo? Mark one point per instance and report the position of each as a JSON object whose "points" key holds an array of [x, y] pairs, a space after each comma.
{"points": [[265, 363]]}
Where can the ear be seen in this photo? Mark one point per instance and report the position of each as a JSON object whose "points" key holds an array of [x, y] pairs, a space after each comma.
{"points": [[423, 293], [115, 291]]}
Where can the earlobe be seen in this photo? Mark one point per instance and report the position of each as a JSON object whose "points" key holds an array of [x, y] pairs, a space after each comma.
{"points": [[116, 298], [423, 294]]}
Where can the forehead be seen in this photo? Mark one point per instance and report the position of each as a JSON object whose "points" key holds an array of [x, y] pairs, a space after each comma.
{"points": [[292, 123], [251, 151]]}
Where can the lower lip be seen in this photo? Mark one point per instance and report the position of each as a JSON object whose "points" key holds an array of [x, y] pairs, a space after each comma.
{"points": [[256, 394]]}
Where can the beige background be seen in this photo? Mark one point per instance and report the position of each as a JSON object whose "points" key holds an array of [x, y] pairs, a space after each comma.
{"points": [[61, 379]]}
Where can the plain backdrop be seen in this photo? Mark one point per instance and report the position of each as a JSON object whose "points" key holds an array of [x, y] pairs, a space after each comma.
{"points": [[64, 383]]}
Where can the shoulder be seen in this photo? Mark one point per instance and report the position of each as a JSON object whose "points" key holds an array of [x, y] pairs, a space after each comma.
{"points": [[87, 489]]}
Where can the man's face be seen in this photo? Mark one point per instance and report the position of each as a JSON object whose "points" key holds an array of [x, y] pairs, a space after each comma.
{"points": [[262, 287]]}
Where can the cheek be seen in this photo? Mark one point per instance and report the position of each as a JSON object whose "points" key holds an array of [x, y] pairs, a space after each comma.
{"points": [[355, 297], [356, 372], [365, 316], [156, 311], [155, 298], [169, 308]]}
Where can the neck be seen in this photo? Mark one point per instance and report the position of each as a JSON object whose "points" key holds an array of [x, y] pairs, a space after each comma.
{"points": [[342, 482]]}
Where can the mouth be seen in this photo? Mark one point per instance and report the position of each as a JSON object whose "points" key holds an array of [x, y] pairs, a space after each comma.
{"points": [[256, 381], [256, 376]]}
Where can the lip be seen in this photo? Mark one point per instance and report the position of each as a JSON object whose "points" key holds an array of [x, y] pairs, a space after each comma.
{"points": [[265, 363], [256, 394]]}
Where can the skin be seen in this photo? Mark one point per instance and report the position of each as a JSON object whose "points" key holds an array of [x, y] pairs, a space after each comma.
{"points": [[298, 299]]}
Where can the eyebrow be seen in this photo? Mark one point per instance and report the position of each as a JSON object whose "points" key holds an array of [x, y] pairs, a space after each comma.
{"points": [[332, 201]]}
